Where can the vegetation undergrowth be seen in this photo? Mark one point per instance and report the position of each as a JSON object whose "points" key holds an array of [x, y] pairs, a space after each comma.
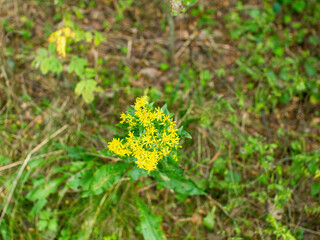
{"points": [[238, 159]]}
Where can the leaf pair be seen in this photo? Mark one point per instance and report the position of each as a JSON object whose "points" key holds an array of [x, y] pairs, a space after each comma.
{"points": [[86, 88]]}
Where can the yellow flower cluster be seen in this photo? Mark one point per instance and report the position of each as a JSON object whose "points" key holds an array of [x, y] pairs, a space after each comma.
{"points": [[151, 136], [60, 37]]}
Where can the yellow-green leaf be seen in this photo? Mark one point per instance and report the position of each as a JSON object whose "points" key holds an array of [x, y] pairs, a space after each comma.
{"points": [[86, 88]]}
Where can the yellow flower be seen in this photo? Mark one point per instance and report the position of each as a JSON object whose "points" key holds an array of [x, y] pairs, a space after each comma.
{"points": [[158, 114], [140, 102], [166, 138], [166, 119], [151, 130], [144, 116], [155, 137], [172, 124], [60, 37], [131, 121], [61, 43], [172, 130], [123, 117], [128, 119], [117, 147], [165, 152], [175, 157]]}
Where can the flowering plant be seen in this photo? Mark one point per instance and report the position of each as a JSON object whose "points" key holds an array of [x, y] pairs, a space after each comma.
{"points": [[150, 136], [55, 59]]}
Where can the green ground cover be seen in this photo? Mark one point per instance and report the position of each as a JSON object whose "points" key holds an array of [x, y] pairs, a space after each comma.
{"points": [[241, 77]]}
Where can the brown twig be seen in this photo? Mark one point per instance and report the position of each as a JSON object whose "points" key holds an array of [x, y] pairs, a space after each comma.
{"points": [[146, 188], [305, 229], [187, 43], [11, 165], [215, 157]]}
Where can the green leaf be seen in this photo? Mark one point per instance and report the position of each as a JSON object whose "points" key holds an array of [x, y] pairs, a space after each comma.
{"points": [[42, 225], [178, 184], [38, 206], [150, 224], [88, 36], [53, 225], [42, 54], [164, 66], [77, 152], [45, 66], [51, 64], [136, 172], [271, 77], [181, 6], [310, 66], [4, 160], [255, 13], [276, 7], [90, 73], [285, 97], [105, 177], [98, 38], [189, 3], [4, 230], [81, 179], [52, 48], [86, 88], [296, 146], [299, 5], [165, 109], [205, 76], [45, 215], [315, 188], [45, 190], [278, 51], [185, 134], [233, 177], [209, 220], [77, 65]]}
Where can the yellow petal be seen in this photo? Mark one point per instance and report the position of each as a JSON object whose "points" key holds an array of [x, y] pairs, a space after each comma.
{"points": [[61, 45]]}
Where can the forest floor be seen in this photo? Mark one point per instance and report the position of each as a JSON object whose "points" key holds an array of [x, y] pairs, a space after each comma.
{"points": [[241, 77]]}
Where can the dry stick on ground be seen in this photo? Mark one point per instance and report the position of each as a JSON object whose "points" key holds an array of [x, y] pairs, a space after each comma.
{"points": [[25, 162], [305, 229], [187, 43], [11, 165]]}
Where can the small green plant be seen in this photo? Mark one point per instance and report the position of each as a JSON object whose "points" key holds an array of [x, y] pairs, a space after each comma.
{"points": [[181, 6], [53, 59], [286, 74], [279, 231], [251, 170], [121, 6], [149, 140]]}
